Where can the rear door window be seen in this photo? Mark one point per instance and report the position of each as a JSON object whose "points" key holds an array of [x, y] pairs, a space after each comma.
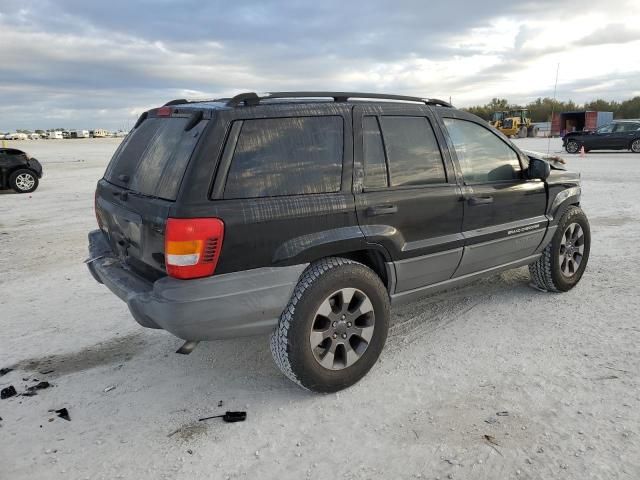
{"points": [[152, 159], [286, 156], [413, 154], [627, 127]]}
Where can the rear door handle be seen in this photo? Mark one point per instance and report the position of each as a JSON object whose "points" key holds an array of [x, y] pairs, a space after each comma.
{"points": [[473, 201], [381, 210]]}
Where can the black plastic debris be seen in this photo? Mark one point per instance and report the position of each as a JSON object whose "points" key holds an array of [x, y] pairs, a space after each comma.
{"points": [[4, 371], [45, 372], [502, 414], [39, 386], [220, 403], [63, 413], [8, 392], [229, 417]]}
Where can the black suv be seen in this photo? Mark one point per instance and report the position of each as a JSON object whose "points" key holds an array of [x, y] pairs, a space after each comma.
{"points": [[19, 171], [618, 135], [307, 214]]}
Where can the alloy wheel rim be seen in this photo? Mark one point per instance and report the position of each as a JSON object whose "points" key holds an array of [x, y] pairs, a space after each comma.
{"points": [[25, 181], [342, 329], [635, 146], [571, 250], [572, 147]]}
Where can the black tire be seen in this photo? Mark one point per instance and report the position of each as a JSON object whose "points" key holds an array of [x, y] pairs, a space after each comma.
{"points": [[635, 146], [522, 132], [546, 272], [290, 343], [23, 181], [572, 146]]}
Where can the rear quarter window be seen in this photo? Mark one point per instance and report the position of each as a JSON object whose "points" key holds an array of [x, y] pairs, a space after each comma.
{"points": [[286, 156]]}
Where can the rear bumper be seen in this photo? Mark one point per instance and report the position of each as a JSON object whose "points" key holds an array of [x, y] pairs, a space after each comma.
{"points": [[223, 306]]}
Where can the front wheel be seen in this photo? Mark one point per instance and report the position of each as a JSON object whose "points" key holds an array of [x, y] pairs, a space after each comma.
{"points": [[635, 146], [335, 326], [564, 260], [572, 146]]}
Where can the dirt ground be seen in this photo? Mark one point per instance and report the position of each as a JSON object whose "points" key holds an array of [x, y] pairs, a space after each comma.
{"points": [[564, 367]]}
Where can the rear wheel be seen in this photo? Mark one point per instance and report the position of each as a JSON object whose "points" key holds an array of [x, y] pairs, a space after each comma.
{"points": [[522, 133], [564, 260], [635, 146], [334, 328], [572, 146], [23, 181]]}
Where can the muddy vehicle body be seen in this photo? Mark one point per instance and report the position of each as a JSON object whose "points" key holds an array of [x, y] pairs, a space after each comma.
{"points": [[306, 215]]}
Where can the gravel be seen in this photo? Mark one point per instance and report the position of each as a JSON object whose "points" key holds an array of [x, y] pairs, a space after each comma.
{"points": [[565, 366]]}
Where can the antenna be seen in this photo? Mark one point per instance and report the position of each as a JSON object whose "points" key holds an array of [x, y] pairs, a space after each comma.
{"points": [[553, 106]]}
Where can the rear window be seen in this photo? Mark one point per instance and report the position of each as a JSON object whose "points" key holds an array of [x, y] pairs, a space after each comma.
{"points": [[153, 158], [286, 156]]}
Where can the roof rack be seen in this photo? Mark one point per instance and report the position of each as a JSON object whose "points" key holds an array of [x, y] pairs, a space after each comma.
{"points": [[252, 98]]}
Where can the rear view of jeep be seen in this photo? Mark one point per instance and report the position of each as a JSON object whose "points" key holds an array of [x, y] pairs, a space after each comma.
{"points": [[305, 215]]}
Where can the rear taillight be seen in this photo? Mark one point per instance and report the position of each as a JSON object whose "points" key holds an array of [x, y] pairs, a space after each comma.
{"points": [[163, 112], [192, 246]]}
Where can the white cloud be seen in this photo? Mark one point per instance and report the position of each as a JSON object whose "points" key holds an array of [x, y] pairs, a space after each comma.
{"points": [[96, 66]]}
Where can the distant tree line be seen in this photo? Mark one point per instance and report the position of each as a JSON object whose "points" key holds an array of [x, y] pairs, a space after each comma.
{"points": [[541, 108]]}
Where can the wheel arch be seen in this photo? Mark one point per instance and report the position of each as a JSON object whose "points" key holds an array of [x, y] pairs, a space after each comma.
{"points": [[379, 262]]}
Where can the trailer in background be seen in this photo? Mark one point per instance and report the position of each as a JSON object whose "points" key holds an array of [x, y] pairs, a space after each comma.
{"points": [[79, 134], [100, 133], [566, 122]]}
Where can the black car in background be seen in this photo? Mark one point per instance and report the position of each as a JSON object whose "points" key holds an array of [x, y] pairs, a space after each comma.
{"points": [[618, 135], [19, 171]]}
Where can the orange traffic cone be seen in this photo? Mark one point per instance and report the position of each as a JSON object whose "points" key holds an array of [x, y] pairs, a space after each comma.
{"points": [[582, 151]]}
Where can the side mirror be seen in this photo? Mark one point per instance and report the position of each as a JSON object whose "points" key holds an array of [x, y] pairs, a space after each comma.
{"points": [[538, 168]]}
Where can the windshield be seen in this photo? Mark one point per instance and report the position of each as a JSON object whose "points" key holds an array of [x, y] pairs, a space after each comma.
{"points": [[153, 158]]}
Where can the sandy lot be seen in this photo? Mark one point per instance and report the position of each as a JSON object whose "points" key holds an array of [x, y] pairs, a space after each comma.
{"points": [[564, 366]]}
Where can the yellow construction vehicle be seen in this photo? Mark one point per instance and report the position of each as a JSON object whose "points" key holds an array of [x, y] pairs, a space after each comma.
{"points": [[514, 123]]}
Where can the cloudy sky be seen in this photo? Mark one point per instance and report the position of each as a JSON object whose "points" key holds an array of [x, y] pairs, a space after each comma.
{"points": [[85, 64]]}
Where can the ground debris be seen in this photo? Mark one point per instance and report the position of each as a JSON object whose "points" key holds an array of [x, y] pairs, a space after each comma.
{"points": [[492, 443], [229, 417], [38, 386], [8, 392], [502, 414], [109, 388], [62, 413], [4, 371]]}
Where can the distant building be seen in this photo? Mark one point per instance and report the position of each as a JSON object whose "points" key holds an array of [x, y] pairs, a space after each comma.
{"points": [[566, 122]]}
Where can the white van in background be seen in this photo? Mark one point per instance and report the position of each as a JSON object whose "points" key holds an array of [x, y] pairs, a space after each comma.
{"points": [[57, 135]]}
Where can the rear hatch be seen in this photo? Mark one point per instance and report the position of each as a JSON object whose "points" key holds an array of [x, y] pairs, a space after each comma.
{"points": [[142, 182]]}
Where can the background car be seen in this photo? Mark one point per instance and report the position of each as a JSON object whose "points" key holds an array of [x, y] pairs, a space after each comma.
{"points": [[618, 135], [19, 171]]}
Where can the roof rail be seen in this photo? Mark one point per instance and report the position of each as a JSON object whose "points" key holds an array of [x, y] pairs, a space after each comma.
{"points": [[251, 98]]}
